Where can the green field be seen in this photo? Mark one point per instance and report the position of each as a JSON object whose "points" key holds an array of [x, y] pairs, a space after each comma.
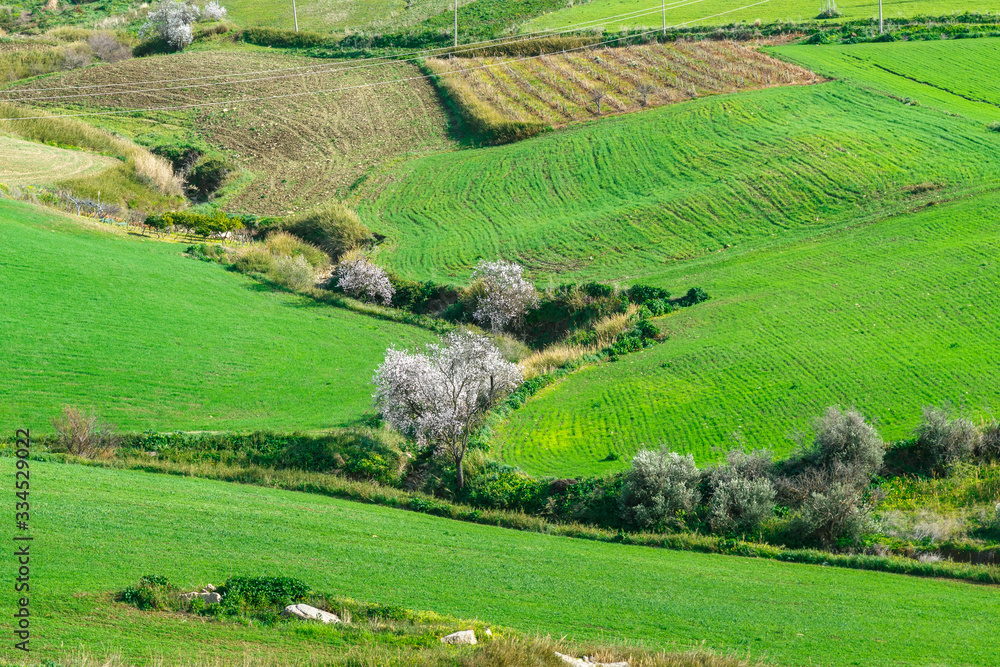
{"points": [[597, 12], [942, 74], [625, 198], [152, 339], [889, 317], [325, 15], [196, 531]]}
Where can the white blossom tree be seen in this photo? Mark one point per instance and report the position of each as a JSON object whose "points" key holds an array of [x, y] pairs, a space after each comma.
{"points": [[441, 395], [363, 279], [213, 11], [506, 296], [172, 20]]}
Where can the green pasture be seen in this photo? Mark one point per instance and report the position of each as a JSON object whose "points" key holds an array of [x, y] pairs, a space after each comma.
{"points": [[333, 15], [945, 74], [625, 198], [197, 531], [600, 13], [151, 339], [889, 316]]}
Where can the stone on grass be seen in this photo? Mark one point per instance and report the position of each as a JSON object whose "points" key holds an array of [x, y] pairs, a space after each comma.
{"points": [[460, 637], [210, 598], [587, 661], [305, 612]]}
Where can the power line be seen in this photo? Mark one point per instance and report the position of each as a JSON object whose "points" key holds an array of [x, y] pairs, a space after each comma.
{"points": [[390, 59], [365, 85]]}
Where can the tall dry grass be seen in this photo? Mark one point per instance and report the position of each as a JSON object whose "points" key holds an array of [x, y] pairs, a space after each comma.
{"points": [[553, 358]]}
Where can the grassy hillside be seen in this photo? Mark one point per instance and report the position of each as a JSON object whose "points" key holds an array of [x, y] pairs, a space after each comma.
{"points": [[302, 150], [946, 75], [774, 10], [28, 163], [324, 15], [152, 339], [888, 316], [624, 198], [796, 615], [583, 85]]}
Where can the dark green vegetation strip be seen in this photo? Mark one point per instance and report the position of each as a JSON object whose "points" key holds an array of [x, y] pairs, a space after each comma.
{"points": [[151, 339], [194, 531], [887, 317], [622, 198]]}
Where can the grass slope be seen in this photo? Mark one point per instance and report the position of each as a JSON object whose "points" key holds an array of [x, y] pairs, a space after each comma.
{"points": [[195, 531], [30, 163], [151, 339], [598, 11], [623, 198], [325, 15], [947, 75], [888, 316], [302, 150]]}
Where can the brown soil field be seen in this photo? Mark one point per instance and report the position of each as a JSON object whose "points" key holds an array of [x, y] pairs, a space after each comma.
{"points": [[580, 85], [300, 150], [30, 163]]}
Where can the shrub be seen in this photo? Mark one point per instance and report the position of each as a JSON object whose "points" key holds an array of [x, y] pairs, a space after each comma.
{"points": [[694, 296], [643, 294], [501, 486], [256, 259], [333, 228], [839, 517], [201, 224], [946, 441], [253, 595], [741, 505], [295, 273], [153, 592], [283, 244], [84, 435], [829, 10], [989, 524], [994, 126], [989, 443], [846, 438], [106, 47], [363, 279], [207, 176], [213, 11], [660, 490]]}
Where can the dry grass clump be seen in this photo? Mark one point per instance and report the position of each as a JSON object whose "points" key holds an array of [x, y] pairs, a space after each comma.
{"points": [[553, 358], [577, 85], [610, 327]]}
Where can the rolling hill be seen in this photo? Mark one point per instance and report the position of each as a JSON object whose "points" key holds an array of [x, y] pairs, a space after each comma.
{"points": [[151, 339], [196, 531], [888, 315]]}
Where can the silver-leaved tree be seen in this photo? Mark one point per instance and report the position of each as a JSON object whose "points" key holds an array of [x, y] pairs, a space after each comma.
{"points": [[441, 395]]}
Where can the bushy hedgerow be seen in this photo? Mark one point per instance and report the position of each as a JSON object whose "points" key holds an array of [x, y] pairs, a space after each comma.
{"points": [[202, 224]]}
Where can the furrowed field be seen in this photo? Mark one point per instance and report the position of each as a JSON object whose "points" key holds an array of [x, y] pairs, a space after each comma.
{"points": [[646, 13], [888, 316], [582, 85], [26, 162], [197, 531], [625, 198], [151, 339], [946, 75], [301, 150]]}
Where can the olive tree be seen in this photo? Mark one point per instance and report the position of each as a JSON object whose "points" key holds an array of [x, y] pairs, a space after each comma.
{"points": [[505, 296], [441, 395], [660, 490]]}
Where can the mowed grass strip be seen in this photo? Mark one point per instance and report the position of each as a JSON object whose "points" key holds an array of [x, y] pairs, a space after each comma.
{"points": [[946, 74], [302, 149], [704, 12], [887, 317], [623, 198], [572, 86], [30, 163], [197, 531], [151, 339]]}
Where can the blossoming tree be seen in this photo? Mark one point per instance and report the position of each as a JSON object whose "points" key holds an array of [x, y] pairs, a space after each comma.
{"points": [[441, 395], [506, 296]]}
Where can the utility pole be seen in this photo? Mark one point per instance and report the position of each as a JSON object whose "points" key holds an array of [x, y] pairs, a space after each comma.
{"points": [[663, 10], [456, 23], [881, 28], [295, 13]]}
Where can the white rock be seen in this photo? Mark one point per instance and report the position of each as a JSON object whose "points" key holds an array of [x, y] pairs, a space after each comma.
{"points": [[306, 612], [210, 588], [488, 632], [210, 598], [460, 637], [586, 662], [188, 596]]}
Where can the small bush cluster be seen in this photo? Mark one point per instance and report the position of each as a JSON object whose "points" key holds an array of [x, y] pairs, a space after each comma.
{"points": [[333, 228], [152, 593], [945, 440], [201, 224], [284, 260]]}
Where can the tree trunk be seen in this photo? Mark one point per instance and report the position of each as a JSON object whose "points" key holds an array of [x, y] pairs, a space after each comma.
{"points": [[459, 473]]}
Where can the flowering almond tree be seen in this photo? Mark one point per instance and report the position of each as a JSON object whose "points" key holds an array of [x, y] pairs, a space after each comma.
{"points": [[441, 395], [363, 279], [506, 297]]}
